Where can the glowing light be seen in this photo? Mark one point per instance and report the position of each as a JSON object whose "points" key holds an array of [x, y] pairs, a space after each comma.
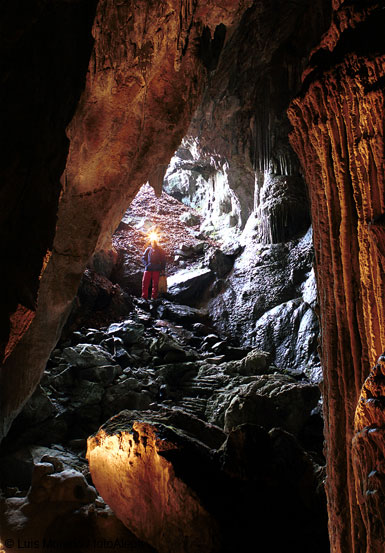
{"points": [[153, 236]]}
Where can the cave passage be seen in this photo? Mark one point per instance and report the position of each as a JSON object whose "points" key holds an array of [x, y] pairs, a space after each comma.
{"points": [[157, 386], [193, 421]]}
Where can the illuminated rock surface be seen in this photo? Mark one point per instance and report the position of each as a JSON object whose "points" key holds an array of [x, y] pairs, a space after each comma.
{"points": [[131, 469], [61, 512], [174, 492], [338, 135]]}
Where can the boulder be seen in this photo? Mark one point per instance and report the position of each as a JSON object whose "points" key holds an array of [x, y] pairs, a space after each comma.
{"points": [[125, 395], [104, 375], [97, 297], [67, 485], [200, 247], [180, 313], [85, 402], [128, 272], [209, 340], [87, 355], [180, 496], [255, 362], [188, 287], [103, 262], [190, 219], [59, 380], [201, 329], [38, 408], [170, 350], [130, 331], [221, 263], [273, 400], [157, 495]]}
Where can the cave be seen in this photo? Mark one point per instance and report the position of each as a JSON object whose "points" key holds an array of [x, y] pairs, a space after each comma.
{"points": [[245, 406]]}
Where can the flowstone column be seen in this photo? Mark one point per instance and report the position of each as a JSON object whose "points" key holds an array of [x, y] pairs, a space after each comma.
{"points": [[338, 135]]}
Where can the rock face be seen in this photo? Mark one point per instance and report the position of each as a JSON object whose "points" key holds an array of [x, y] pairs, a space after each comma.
{"points": [[181, 496], [149, 497], [60, 510], [268, 300], [338, 135], [177, 361], [41, 90], [141, 85], [237, 141], [210, 428], [237, 167]]}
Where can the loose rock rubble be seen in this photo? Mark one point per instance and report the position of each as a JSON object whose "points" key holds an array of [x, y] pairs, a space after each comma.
{"points": [[163, 360]]}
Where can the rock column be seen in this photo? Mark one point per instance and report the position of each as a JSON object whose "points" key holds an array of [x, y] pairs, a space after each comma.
{"points": [[338, 135]]}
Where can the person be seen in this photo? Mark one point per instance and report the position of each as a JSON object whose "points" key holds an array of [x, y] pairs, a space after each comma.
{"points": [[154, 260]]}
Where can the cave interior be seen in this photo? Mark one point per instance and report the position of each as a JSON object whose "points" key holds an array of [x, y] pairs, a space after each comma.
{"points": [[245, 405]]}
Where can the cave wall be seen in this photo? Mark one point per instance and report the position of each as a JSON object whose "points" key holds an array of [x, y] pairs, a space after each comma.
{"points": [[145, 76], [237, 166], [40, 89], [338, 122]]}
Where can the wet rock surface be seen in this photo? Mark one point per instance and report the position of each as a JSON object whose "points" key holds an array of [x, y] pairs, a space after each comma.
{"points": [[263, 295], [269, 299]]}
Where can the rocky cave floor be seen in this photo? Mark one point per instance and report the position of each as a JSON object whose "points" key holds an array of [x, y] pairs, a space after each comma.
{"points": [[161, 360]]}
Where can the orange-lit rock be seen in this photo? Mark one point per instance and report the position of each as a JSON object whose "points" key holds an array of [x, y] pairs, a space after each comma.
{"points": [[131, 471], [338, 135], [181, 485], [369, 455], [144, 80]]}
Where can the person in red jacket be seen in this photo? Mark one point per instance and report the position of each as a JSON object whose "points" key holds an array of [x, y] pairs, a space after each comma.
{"points": [[154, 260]]}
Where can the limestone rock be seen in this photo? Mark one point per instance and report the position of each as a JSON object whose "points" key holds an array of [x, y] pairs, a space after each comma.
{"points": [[86, 393], [125, 395], [96, 297], [104, 261], [163, 87], [169, 488], [290, 332], [255, 362], [283, 209], [105, 374], [190, 219], [66, 485], [87, 355], [262, 301], [348, 240], [186, 287], [220, 263], [129, 331], [274, 400], [37, 409], [151, 498], [181, 313]]}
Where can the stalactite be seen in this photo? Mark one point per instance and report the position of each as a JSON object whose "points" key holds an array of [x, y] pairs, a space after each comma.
{"points": [[282, 209]]}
